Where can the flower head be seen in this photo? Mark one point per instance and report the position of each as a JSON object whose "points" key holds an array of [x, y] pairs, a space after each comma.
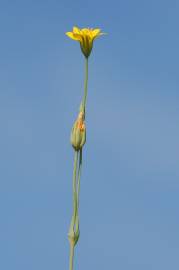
{"points": [[85, 36]]}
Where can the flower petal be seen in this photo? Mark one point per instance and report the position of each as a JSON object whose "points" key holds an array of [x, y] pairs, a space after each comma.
{"points": [[72, 36], [96, 32], [76, 30]]}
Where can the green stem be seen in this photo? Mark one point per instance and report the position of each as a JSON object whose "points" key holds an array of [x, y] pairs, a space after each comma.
{"points": [[71, 256], [79, 176], [74, 184], [72, 225], [86, 83]]}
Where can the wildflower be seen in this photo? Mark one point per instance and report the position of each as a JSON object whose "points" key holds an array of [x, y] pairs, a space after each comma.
{"points": [[85, 36]]}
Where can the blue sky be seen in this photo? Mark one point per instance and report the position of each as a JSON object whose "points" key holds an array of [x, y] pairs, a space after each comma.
{"points": [[130, 180]]}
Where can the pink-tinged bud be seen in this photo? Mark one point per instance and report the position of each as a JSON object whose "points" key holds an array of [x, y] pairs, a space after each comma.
{"points": [[78, 133]]}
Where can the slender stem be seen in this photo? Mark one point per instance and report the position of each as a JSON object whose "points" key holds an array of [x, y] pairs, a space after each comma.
{"points": [[76, 178], [71, 256], [75, 203], [86, 83], [79, 176], [74, 183]]}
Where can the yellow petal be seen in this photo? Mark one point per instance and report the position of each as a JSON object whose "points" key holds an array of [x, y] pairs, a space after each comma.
{"points": [[76, 30], [84, 29], [98, 35], [72, 36], [96, 32]]}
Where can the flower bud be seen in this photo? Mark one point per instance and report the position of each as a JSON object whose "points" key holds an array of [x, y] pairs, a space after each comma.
{"points": [[73, 237], [74, 231], [78, 133]]}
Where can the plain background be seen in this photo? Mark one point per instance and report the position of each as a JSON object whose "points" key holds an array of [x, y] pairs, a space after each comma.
{"points": [[130, 181]]}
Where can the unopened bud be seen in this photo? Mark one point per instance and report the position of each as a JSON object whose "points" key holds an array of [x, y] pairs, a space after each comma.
{"points": [[73, 238], [74, 231], [78, 133]]}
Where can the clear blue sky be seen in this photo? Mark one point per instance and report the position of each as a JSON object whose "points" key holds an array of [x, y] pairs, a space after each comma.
{"points": [[130, 181]]}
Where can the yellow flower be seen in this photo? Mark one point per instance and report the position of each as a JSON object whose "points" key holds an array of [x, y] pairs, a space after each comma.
{"points": [[85, 36]]}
